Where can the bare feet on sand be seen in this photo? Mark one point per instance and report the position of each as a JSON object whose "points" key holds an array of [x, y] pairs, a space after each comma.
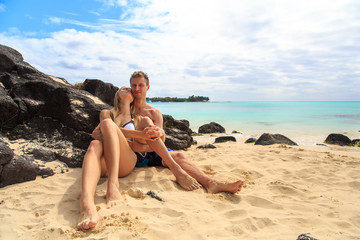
{"points": [[188, 183], [216, 187], [113, 195], [89, 216]]}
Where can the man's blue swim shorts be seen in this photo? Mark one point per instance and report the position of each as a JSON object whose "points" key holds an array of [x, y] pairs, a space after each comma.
{"points": [[151, 159]]}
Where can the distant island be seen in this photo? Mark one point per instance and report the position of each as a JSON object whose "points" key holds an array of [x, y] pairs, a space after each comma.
{"points": [[175, 99]]}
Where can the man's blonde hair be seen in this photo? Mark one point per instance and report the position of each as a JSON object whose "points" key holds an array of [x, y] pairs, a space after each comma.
{"points": [[138, 74]]}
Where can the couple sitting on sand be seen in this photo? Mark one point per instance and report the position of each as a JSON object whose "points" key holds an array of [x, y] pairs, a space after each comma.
{"points": [[131, 135]]}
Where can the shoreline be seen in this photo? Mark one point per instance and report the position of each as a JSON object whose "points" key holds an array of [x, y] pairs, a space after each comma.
{"points": [[309, 140]]}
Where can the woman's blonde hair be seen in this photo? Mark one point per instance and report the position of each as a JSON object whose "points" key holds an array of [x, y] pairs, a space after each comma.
{"points": [[116, 110]]}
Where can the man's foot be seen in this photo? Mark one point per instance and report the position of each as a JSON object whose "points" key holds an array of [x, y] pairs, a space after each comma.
{"points": [[89, 216], [188, 183], [113, 195], [216, 187]]}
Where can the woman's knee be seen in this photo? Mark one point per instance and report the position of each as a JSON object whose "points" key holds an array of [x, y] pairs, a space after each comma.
{"points": [[95, 146], [107, 124], [146, 120]]}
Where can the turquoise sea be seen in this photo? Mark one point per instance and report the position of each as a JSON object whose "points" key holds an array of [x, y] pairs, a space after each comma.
{"points": [[272, 117]]}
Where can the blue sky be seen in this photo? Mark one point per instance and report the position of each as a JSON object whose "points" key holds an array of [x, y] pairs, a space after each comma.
{"points": [[232, 50]]}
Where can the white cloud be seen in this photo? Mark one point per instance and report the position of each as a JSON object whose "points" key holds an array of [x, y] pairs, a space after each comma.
{"points": [[228, 50], [2, 7]]}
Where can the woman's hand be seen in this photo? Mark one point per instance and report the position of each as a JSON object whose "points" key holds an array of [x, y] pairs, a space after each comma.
{"points": [[96, 134]]}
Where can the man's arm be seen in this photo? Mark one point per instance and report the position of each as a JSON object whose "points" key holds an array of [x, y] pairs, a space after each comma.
{"points": [[157, 118]]}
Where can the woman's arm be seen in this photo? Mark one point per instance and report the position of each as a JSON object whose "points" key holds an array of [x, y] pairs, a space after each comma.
{"points": [[96, 134]]}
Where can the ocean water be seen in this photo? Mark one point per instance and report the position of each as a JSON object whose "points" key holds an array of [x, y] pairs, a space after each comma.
{"points": [[272, 117]]}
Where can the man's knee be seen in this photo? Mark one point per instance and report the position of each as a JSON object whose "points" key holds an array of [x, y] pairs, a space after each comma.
{"points": [[178, 156]]}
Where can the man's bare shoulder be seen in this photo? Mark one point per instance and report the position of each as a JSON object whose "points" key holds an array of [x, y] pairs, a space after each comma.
{"points": [[152, 109], [152, 112]]}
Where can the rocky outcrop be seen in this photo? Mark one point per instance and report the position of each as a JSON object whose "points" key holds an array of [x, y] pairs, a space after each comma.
{"points": [[178, 133], [338, 139], [51, 118], [269, 139], [225, 139], [104, 91], [211, 128]]}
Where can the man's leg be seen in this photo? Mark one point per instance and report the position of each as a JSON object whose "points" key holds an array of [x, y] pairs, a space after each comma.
{"points": [[158, 146], [91, 171], [211, 185]]}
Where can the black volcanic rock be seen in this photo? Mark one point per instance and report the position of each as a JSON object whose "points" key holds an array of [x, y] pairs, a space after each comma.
{"points": [[338, 139], [104, 91], [211, 128], [18, 170], [225, 139], [269, 139]]}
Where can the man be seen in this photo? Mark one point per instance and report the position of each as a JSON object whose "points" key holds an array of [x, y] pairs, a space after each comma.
{"points": [[187, 174]]}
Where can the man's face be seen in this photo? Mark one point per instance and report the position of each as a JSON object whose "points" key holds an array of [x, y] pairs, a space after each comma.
{"points": [[139, 87]]}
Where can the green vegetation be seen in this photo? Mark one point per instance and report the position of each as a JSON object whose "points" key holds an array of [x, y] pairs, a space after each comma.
{"points": [[79, 86], [175, 99]]}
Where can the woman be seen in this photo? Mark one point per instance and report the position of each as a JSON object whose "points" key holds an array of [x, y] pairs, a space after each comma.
{"points": [[109, 155]]}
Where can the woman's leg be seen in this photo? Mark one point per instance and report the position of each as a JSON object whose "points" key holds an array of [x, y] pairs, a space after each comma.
{"points": [[119, 158], [91, 171]]}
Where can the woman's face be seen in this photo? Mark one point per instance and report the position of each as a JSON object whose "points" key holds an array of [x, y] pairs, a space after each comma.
{"points": [[125, 93]]}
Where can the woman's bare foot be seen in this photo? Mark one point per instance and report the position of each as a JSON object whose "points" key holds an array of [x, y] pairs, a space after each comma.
{"points": [[113, 195], [188, 183], [89, 216], [216, 187]]}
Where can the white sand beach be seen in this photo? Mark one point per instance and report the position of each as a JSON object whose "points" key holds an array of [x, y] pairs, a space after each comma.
{"points": [[288, 191]]}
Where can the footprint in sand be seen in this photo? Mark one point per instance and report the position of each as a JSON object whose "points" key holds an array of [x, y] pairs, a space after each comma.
{"points": [[261, 202]]}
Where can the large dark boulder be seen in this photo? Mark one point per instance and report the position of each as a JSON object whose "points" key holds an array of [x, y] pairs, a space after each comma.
{"points": [[269, 139], [18, 170], [170, 122], [178, 133], [211, 128], [338, 139], [177, 139], [104, 91]]}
